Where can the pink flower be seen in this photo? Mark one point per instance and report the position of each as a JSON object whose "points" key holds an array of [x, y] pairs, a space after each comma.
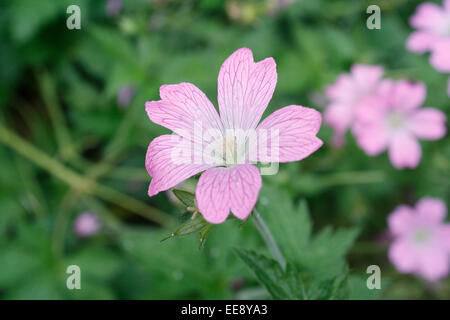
{"points": [[86, 224], [346, 95], [433, 33], [393, 120], [421, 239], [228, 183]]}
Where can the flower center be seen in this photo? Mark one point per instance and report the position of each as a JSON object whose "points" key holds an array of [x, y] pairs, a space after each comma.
{"points": [[395, 120], [233, 151], [421, 236]]}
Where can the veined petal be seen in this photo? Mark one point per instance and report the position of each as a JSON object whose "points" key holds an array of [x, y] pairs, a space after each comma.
{"points": [[169, 161], [185, 110], [289, 135], [428, 123], [245, 89], [220, 190]]}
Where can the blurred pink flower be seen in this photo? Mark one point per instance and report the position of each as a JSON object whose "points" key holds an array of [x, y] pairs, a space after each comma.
{"points": [[346, 95], [421, 239], [86, 224], [244, 91], [125, 95], [113, 8], [433, 33], [393, 120]]}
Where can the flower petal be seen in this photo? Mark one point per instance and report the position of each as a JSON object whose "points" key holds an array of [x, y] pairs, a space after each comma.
{"points": [[403, 255], [220, 190], [183, 107], [440, 56], [421, 41], [433, 263], [373, 138], [245, 89], [407, 95], [404, 151], [367, 77], [431, 210], [428, 123], [339, 116], [295, 129], [428, 16], [401, 220], [169, 162]]}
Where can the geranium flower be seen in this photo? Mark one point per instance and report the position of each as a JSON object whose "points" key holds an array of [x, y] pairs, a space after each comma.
{"points": [[346, 95], [433, 33], [422, 239], [393, 120], [86, 224], [204, 141]]}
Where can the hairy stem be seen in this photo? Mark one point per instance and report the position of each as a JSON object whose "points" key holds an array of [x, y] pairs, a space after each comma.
{"points": [[268, 239]]}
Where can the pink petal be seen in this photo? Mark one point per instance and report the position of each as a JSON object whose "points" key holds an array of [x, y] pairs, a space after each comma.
{"points": [[403, 255], [367, 77], [428, 16], [167, 166], [428, 123], [297, 129], [245, 89], [444, 236], [404, 151], [408, 95], [401, 220], [447, 6], [440, 56], [433, 263], [421, 41], [183, 107], [339, 116], [220, 190], [431, 210], [342, 89], [372, 138]]}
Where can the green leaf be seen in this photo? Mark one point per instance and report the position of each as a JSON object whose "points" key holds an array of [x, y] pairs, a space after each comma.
{"points": [[321, 256], [280, 284], [185, 197]]}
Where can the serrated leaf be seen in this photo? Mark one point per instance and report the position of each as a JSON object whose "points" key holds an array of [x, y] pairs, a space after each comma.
{"points": [[280, 284], [185, 197]]}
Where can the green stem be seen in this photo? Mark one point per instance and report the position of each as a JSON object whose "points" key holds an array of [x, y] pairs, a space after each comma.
{"points": [[78, 182], [268, 239], [352, 177]]}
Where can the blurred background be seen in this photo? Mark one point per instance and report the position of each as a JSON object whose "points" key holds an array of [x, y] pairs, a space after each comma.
{"points": [[74, 132]]}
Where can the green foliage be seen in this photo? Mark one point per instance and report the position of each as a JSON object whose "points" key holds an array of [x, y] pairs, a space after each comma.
{"points": [[75, 119], [316, 266]]}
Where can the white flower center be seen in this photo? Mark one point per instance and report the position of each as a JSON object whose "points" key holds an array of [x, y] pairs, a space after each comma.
{"points": [[421, 236], [395, 120]]}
